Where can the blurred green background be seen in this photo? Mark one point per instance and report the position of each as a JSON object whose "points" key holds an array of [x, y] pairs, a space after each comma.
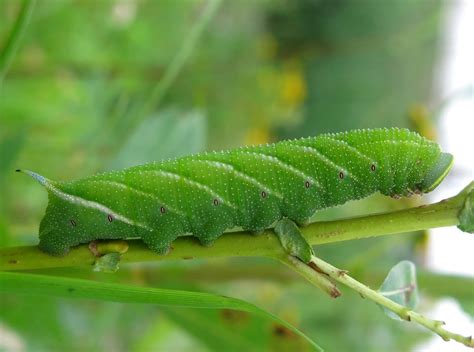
{"points": [[100, 85]]}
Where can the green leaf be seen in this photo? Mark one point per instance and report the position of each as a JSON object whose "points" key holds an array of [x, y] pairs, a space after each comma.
{"points": [[77, 288], [219, 329], [293, 241], [170, 134], [466, 215], [163, 334], [237, 331], [108, 263], [400, 286]]}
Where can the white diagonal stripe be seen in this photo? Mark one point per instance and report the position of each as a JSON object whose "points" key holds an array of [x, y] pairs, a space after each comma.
{"points": [[194, 184], [326, 160], [287, 167], [140, 192], [391, 141], [353, 149], [93, 205], [242, 175]]}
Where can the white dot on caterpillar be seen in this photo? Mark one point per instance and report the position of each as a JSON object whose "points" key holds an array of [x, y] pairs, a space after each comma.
{"points": [[372, 167], [216, 202], [73, 222], [307, 184], [264, 194], [341, 175], [110, 218], [162, 210]]}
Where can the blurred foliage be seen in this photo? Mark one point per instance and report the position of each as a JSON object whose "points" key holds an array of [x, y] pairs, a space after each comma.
{"points": [[364, 63], [168, 135], [262, 71]]}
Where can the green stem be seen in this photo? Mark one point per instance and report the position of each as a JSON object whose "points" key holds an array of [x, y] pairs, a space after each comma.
{"points": [[441, 214], [313, 276], [245, 244], [138, 113], [176, 65], [403, 312], [13, 41]]}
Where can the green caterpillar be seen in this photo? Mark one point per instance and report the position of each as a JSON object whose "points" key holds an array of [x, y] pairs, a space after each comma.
{"points": [[249, 187]]}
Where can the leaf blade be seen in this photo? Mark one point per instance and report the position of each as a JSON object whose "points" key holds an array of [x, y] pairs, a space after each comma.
{"points": [[400, 286], [21, 283]]}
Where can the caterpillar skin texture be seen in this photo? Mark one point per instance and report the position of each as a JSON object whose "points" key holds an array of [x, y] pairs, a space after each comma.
{"points": [[249, 187]]}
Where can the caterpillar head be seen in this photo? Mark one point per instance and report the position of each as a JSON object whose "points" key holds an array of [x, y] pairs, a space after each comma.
{"points": [[436, 173]]}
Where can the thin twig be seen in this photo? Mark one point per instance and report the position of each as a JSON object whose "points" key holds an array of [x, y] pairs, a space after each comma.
{"points": [[403, 312], [316, 278], [143, 110], [176, 65], [183, 54]]}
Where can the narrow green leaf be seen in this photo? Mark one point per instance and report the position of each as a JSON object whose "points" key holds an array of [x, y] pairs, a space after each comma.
{"points": [[400, 286], [14, 39], [20, 283]]}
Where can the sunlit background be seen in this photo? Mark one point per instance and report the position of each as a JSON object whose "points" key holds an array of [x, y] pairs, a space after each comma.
{"points": [[456, 84], [101, 85]]}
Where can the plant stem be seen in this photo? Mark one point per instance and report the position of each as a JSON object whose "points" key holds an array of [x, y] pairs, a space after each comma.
{"points": [[13, 41], [114, 126], [441, 214], [403, 312], [317, 279], [176, 65], [245, 244]]}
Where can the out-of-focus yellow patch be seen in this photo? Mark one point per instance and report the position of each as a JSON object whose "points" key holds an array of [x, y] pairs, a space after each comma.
{"points": [[421, 245], [421, 122], [293, 87], [257, 135], [282, 89]]}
